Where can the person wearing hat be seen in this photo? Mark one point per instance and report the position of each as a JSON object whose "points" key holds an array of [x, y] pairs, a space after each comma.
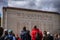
{"points": [[11, 35], [49, 36], [5, 34]]}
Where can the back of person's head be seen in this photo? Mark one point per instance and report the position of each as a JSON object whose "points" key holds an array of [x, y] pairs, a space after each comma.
{"points": [[10, 31], [28, 32], [56, 35], [13, 34], [1, 31], [24, 28], [45, 32], [6, 31], [48, 33], [35, 27]]}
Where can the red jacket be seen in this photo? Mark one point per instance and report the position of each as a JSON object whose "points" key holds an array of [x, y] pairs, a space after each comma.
{"points": [[18, 38], [33, 33]]}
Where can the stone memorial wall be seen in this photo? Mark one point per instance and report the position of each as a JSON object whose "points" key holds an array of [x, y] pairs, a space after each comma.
{"points": [[17, 19]]}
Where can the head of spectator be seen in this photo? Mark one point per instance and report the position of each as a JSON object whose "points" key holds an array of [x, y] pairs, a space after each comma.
{"points": [[56, 35], [48, 33], [1, 31], [13, 34], [35, 27], [28, 32], [10, 31], [24, 28], [6, 31], [45, 33]]}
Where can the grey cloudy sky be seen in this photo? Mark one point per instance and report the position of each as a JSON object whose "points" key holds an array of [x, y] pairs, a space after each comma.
{"points": [[46, 5]]}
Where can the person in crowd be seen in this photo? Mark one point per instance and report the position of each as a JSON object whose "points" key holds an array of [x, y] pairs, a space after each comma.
{"points": [[56, 36], [36, 34], [59, 36], [11, 36], [45, 35], [18, 38], [28, 36], [1, 33], [49, 36], [14, 38], [5, 37], [23, 34]]}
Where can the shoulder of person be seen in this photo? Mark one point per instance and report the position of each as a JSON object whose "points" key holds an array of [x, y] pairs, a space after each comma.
{"points": [[1, 38]]}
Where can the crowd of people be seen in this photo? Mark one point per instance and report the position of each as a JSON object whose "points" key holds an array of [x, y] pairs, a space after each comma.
{"points": [[35, 34]]}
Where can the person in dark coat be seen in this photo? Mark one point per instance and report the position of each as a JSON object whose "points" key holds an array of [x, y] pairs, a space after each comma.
{"points": [[11, 35], [5, 34], [28, 36], [24, 34], [45, 35], [49, 36], [1, 33]]}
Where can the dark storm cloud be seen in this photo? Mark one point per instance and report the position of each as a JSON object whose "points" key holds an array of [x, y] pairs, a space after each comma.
{"points": [[1, 0], [47, 5], [5, 2], [57, 5]]}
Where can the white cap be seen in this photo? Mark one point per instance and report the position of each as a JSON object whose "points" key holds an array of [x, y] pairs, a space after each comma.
{"points": [[9, 30], [48, 32], [5, 29]]}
